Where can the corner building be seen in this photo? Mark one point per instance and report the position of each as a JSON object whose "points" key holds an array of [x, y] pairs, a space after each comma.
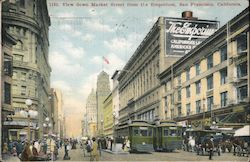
{"points": [[210, 85], [28, 22], [139, 88]]}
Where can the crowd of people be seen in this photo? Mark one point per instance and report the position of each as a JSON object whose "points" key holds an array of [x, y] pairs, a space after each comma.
{"points": [[39, 150]]}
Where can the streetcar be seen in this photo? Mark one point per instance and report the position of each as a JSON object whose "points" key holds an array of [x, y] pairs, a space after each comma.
{"points": [[167, 136], [140, 134]]}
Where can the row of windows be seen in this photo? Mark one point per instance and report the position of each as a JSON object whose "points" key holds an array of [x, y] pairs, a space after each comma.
{"points": [[241, 95], [241, 46], [149, 115]]}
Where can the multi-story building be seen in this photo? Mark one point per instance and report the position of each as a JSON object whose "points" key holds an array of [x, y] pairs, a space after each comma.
{"points": [[115, 97], [167, 41], [211, 83], [6, 108], [28, 22], [102, 91], [90, 118], [108, 120]]}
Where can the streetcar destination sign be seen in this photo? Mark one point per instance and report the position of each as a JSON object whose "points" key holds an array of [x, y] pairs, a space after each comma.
{"points": [[184, 35]]}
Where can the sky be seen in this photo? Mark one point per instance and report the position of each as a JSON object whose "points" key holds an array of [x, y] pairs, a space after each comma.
{"points": [[81, 35]]}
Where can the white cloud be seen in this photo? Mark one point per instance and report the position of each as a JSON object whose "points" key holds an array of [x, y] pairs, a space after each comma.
{"points": [[97, 25], [88, 37], [127, 44], [96, 60], [119, 11], [61, 65], [62, 85], [70, 30]]}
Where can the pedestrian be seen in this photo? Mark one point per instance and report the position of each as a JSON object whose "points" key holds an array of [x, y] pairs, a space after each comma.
{"points": [[26, 154], [37, 146], [211, 147], [126, 144], [19, 147], [94, 155], [66, 149]]}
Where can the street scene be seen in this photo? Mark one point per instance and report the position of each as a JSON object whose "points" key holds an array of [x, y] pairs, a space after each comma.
{"points": [[142, 80]]}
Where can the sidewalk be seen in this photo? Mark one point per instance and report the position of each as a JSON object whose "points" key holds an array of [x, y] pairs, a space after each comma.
{"points": [[8, 157]]}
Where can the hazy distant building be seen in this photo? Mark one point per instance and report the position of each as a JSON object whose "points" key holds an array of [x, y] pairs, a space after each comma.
{"points": [[91, 115], [28, 22], [102, 91]]}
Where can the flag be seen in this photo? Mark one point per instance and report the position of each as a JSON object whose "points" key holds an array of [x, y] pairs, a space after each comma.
{"points": [[105, 60]]}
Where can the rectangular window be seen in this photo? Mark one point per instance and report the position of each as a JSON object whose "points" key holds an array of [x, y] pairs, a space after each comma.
{"points": [[188, 91], [179, 111], [179, 95], [223, 53], [223, 99], [22, 3], [23, 90], [23, 76], [7, 65], [242, 43], [210, 102], [242, 69], [166, 104], [242, 93], [197, 68], [198, 106], [210, 82], [179, 79], [188, 109], [198, 87], [7, 93], [223, 76], [209, 61], [188, 74]]}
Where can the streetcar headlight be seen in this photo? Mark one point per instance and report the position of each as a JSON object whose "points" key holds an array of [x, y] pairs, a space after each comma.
{"points": [[143, 143]]}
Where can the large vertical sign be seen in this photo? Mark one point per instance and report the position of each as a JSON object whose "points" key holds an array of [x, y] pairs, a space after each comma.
{"points": [[184, 35]]}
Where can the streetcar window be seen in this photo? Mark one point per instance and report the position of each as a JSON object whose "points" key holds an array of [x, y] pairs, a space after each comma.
{"points": [[172, 132], [150, 132], [136, 132], [144, 133], [165, 132]]}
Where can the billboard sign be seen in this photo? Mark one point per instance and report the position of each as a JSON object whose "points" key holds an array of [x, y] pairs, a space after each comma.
{"points": [[184, 35]]}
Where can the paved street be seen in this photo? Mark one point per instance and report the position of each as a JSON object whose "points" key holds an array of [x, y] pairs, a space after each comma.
{"points": [[77, 155]]}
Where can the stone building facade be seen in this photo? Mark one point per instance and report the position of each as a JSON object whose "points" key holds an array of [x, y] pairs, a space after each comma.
{"points": [[28, 22], [139, 88], [211, 83], [90, 119]]}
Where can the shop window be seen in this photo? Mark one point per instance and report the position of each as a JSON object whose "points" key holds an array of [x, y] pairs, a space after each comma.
{"points": [[223, 98], [210, 102], [223, 76], [198, 106], [242, 93], [223, 53], [242, 69], [209, 61]]}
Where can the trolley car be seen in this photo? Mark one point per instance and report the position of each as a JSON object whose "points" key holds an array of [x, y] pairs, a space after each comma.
{"points": [[168, 136], [140, 134]]}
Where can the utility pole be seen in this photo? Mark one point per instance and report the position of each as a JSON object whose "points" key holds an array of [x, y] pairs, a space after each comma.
{"points": [[1, 86]]}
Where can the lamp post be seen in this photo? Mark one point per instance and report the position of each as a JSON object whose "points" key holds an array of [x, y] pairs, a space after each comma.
{"points": [[101, 127], [47, 125], [29, 113]]}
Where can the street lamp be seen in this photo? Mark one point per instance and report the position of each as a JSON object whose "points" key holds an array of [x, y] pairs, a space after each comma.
{"points": [[47, 125], [29, 113]]}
